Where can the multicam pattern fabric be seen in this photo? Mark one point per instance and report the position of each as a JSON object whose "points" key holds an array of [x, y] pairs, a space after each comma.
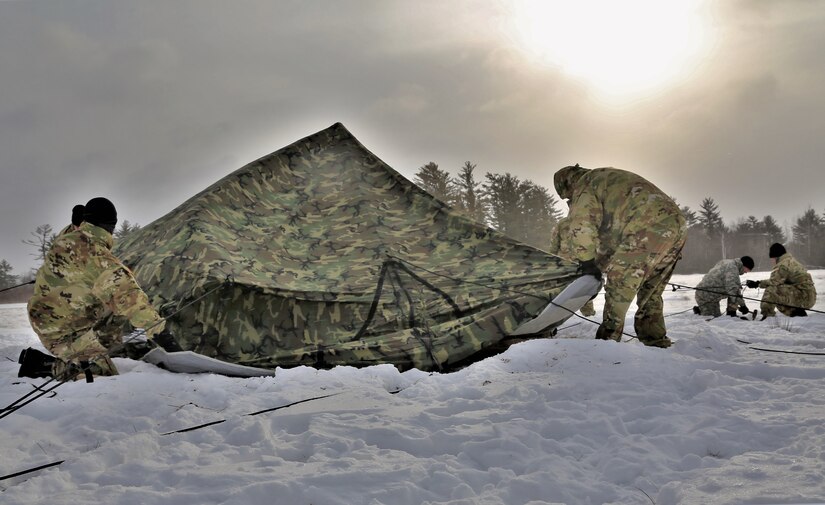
{"points": [[303, 243], [790, 285], [634, 232], [722, 281], [558, 243], [85, 299]]}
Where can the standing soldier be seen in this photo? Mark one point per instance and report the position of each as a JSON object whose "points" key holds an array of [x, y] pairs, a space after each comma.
{"points": [[84, 299], [623, 224], [559, 240], [720, 282], [790, 289]]}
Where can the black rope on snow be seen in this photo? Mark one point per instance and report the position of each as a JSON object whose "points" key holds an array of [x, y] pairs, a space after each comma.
{"points": [[184, 430], [18, 286], [805, 353], [31, 470]]}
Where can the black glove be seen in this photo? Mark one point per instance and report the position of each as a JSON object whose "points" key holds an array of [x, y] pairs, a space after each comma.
{"points": [[589, 268], [743, 309], [732, 312], [167, 341], [752, 284]]}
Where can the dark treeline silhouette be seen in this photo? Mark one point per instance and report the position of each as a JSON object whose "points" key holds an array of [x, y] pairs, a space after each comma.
{"points": [[710, 240], [519, 208], [527, 212]]}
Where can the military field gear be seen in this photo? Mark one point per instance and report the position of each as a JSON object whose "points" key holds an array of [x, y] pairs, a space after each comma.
{"points": [[721, 282], [101, 212], [747, 262], [589, 268], [790, 286], [84, 299], [776, 250], [752, 284], [309, 235], [634, 232], [35, 364]]}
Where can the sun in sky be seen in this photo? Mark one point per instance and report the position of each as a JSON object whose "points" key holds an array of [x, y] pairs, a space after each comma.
{"points": [[620, 49]]}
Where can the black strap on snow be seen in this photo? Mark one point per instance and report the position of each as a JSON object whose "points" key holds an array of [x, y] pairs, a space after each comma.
{"points": [[15, 287], [193, 428]]}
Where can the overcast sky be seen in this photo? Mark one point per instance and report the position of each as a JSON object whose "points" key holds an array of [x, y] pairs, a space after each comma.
{"points": [[148, 102]]}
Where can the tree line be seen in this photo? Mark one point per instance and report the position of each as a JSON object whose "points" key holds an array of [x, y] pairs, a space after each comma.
{"points": [[527, 212]]}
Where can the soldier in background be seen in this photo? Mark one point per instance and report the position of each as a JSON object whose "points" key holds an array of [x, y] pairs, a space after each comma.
{"points": [[558, 247], [790, 288], [84, 300], [622, 224], [723, 281]]}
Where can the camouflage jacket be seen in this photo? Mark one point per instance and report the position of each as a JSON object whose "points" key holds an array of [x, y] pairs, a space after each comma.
{"points": [[788, 271], [562, 229], [609, 206], [724, 278], [81, 282]]}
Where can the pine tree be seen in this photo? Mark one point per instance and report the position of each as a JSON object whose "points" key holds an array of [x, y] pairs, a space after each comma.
{"points": [[690, 216], [435, 181], [125, 229], [521, 209], [6, 278], [710, 218], [773, 230], [43, 238], [468, 194], [807, 233]]}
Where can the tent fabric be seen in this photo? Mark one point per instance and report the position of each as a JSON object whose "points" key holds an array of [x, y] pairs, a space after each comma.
{"points": [[323, 255]]}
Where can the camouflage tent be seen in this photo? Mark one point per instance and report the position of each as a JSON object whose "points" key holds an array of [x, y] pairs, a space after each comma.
{"points": [[320, 254]]}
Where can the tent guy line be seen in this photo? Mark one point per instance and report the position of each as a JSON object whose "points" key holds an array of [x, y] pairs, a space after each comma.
{"points": [[184, 430]]}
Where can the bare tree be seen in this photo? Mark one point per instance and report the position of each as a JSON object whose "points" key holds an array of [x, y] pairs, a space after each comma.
{"points": [[42, 241]]}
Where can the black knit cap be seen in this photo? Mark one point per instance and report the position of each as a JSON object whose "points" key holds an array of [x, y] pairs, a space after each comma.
{"points": [[77, 214], [101, 212], [747, 262], [776, 251]]}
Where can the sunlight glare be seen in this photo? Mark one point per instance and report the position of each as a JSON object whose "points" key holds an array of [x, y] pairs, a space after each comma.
{"points": [[618, 48]]}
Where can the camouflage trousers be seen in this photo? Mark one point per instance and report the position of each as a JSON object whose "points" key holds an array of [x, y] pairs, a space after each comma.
{"points": [[642, 270], [708, 302], [785, 297], [91, 346]]}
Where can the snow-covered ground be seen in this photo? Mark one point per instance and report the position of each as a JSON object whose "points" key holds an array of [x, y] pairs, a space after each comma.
{"points": [[566, 420]]}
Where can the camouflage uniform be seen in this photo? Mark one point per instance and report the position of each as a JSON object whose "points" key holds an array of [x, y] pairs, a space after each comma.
{"points": [[789, 286], [635, 233], [722, 281], [562, 229], [85, 299]]}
